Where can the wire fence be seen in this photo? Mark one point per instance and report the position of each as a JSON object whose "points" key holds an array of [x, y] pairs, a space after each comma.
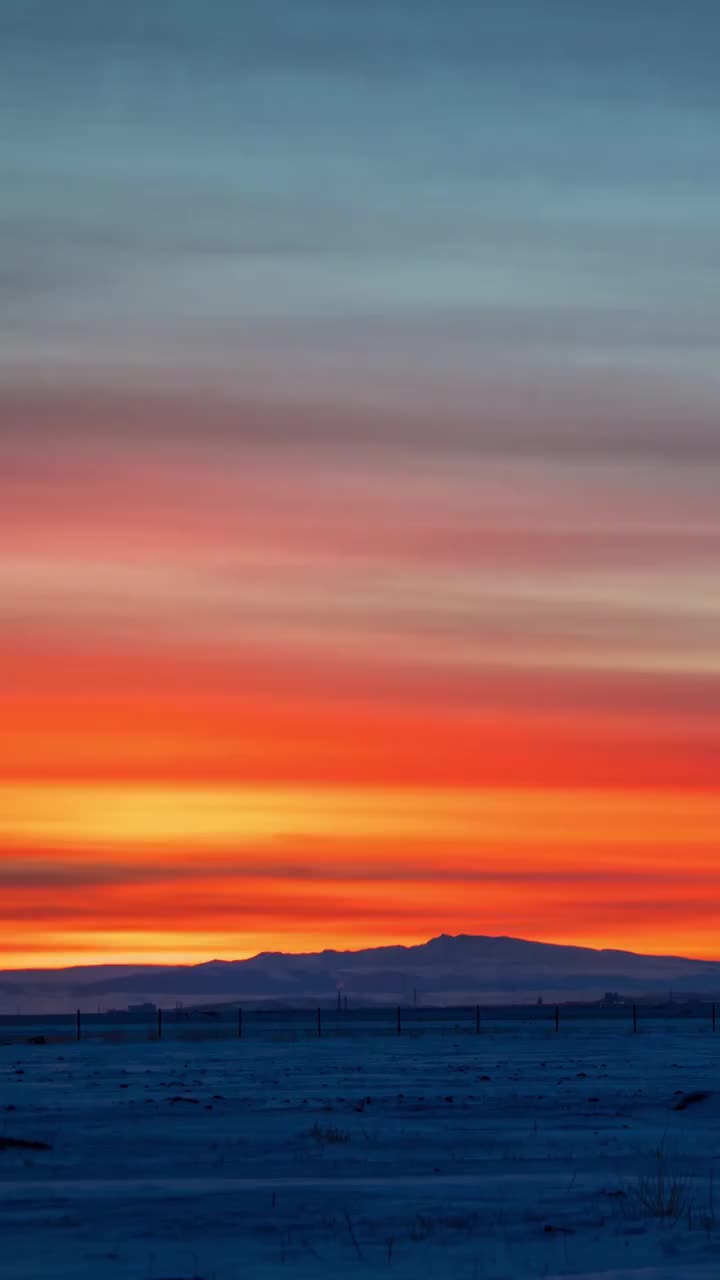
{"points": [[250, 1022]]}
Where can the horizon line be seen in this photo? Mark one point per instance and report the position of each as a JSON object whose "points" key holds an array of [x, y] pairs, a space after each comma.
{"points": [[240, 959]]}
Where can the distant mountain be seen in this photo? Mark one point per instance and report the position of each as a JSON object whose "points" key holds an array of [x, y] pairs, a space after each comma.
{"points": [[445, 970]]}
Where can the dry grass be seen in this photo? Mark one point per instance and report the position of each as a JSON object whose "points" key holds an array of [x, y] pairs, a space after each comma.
{"points": [[664, 1190], [329, 1136]]}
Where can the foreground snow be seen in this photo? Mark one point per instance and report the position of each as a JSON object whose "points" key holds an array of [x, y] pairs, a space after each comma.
{"points": [[513, 1154]]}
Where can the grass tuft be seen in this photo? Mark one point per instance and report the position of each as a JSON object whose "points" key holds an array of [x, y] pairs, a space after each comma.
{"points": [[329, 1136], [663, 1191]]}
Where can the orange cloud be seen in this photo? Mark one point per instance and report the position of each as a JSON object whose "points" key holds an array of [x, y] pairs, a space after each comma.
{"points": [[259, 693]]}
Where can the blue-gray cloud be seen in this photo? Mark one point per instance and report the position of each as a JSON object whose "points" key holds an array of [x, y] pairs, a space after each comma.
{"points": [[384, 200]]}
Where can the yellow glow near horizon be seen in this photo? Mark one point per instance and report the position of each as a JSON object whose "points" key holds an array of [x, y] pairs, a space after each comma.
{"points": [[222, 816]]}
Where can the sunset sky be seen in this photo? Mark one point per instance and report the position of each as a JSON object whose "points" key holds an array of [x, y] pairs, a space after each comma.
{"points": [[359, 475]]}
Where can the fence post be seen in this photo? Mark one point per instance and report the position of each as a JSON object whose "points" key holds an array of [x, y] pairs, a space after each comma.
{"points": [[319, 1024], [477, 1019], [557, 1017], [78, 1024], [239, 1024], [159, 1020], [398, 1020], [634, 1017]]}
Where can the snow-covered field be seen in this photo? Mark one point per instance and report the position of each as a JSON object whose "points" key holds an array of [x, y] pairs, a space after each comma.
{"points": [[516, 1153]]}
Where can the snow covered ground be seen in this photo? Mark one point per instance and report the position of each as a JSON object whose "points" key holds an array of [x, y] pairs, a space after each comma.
{"points": [[516, 1153]]}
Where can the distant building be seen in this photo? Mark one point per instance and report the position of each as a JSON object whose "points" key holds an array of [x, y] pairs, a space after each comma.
{"points": [[146, 1007], [612, 997]]}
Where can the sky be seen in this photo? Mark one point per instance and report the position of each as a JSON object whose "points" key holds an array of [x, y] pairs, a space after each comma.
{"points": [[359, 460]]}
